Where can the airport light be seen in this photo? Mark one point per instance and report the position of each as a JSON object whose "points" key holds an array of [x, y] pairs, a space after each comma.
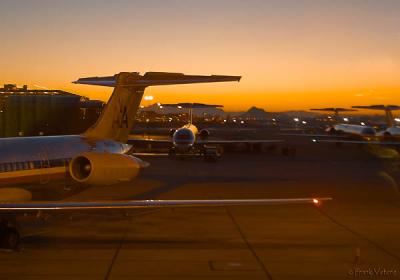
{"points": [[397, 119], [296, 119], [179, 107], [142, 107], [362, 123], [346, 119], [160, 107], [304, 122], [241, 121], [314, 140], [274, 120], [315, 201], [234, 120]]}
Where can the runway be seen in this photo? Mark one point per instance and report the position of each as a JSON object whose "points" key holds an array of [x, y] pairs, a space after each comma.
{"points": [[350, 237]]}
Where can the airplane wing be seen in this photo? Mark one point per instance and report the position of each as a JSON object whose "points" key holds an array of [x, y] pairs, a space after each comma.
{"points": [[248, 141], [157, 79], [313, 135], [382, 143], [140, 204], [148, 140]]}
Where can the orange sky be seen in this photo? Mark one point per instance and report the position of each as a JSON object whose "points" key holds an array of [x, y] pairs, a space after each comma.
{"points": [[292, 54]]}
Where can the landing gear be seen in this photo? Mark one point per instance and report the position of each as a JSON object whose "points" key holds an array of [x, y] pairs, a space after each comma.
{"points": [[9, 235], [171, 152]]}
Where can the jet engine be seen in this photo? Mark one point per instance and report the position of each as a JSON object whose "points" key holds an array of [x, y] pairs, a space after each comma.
{"points": [[204, 133], [99, 168]]}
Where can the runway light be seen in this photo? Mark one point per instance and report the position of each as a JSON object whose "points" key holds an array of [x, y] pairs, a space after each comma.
{"points": [[274, 120], [241, 121], [362, 123], [160, 107], [314, 140], [304, 122], [296, 119], [346, 119], [179, 107], [315, 201]]}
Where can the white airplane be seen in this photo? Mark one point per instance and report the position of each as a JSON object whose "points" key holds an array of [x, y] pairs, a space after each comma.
{"points": [[392, 129], [352, 130], [361, 134], [96, 157], [189, 140]]}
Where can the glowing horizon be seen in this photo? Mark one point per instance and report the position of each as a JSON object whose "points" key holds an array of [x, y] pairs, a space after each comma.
{"points": [[292, 55]]}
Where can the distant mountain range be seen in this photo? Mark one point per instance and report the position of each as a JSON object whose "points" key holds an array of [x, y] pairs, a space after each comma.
{"points": [[252, 113]]}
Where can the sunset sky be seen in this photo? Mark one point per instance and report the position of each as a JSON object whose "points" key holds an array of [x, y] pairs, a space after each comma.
{"points": [[292, 54]]}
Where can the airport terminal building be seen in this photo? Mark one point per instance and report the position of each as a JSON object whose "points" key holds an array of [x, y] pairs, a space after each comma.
{"points": [[27, 112]]}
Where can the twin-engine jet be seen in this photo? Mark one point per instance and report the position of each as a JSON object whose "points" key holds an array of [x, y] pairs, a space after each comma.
{"points": [[361, 134], [391, 128], [189, 140], [96, 157]]}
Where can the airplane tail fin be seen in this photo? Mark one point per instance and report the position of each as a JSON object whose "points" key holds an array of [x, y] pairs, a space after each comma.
{"points": [[117, 118], [388, 111]]}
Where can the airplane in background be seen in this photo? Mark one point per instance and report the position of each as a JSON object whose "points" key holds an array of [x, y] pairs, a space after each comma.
{"points": [[189, 140], [341, 133], [351, 130], [96, 157], [391, 129]]}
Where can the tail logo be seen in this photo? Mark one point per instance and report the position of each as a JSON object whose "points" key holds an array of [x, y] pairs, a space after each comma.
{"points": [[121, 116]]}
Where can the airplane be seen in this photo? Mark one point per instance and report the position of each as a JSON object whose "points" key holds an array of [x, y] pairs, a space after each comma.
{"points": [[351, 130], [189, 140], [391, 129], [361, 134], [95, 157]]}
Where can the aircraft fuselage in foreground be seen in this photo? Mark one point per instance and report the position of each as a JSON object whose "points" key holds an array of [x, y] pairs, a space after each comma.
{"points": [[96, 157]]}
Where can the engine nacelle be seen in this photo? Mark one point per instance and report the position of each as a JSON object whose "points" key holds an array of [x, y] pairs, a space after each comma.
{"points": [[204, 133], [99, 168]]}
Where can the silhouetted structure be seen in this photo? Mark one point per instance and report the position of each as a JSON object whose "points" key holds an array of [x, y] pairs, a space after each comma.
{"points": [[26, 112]]}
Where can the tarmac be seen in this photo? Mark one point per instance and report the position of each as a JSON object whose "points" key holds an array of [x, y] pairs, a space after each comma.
{"points": [[354, 236]]}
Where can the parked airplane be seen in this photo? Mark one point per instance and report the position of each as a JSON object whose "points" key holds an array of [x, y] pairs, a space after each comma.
{"points": [[189, 140], [96, 157], [391, 129], [352, 130]]}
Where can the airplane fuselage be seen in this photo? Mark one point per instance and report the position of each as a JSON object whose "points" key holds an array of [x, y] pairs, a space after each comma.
{"points": [[184, 138], [355, 130], [44, 158]]}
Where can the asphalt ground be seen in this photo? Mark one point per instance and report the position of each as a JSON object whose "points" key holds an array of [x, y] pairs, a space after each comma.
{"points": [[355, 236]]}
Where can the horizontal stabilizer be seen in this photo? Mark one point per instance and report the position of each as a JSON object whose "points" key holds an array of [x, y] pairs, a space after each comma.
{"points": [[378, 107], [192, 105], [157, 79], [133, 204], [336, 110]]}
